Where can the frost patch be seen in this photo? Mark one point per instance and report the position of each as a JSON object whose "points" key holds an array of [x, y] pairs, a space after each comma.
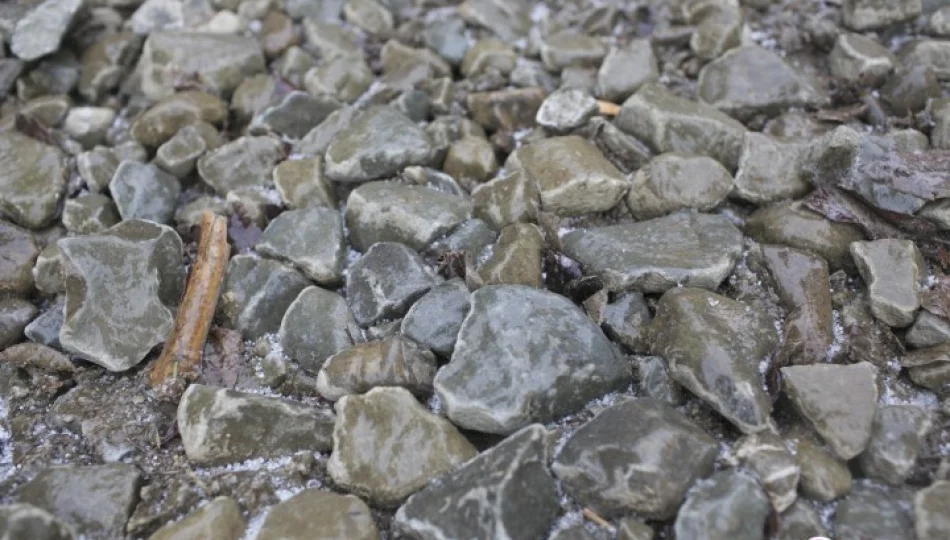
{"points": [[6, 444], [255, 524], [837, 330], [251, 465]]}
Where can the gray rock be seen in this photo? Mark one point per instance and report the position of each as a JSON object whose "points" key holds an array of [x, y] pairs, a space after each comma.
{"points": [[32, 180], [516, 257], [843, 419], [862, 15], [471, 158], [315, 143], [929, 367], [508, 109], [323, 10], [95, 501], [178, 155], [48, 273], [394, 212], [435, 319], [245, 162], [378, 143], [668, 123], [655, 381], [897, 436], [42, 29], [392, 361], [97, 167], [769, 170], [167, 117], [860, 60], [718, 31], [387, 446], [622, 149], [672, 182], [301, 184], [28, 521], [369, 16], [91, 213], [940, 138], [872, 511], [45, 328], [730, 504], [385, 282], [625, 70], [508, 199], [634, 529], [800, 521], [445, 34], [317, 325], [640, 455], [15, 315], [510, 332], [155, 15], [568, 48], [314, 514], [88, 125], [695, 250], [143, 191], [928, 330], [625, 320], [249, 281], [508, 20], [566, 110], [220, 62], [931, 521], [220, 518], [892, 270], [504, 492], [224, 426], [714, 346], [344, 78], [767, 456], [19, 253], [105, 63], [910, 88], [295, 115], [121, 289], [311, 239], [473, 237]]}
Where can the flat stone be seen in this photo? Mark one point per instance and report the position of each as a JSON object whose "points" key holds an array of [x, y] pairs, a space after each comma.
{"points": [[15, 315], [510, 332], [317, 325], [220, 62], [301, 183], [566, 110], [928, 330], [143, 191], [121, 289], [310, 239], [930, 517], [625, 70], [694, 250], [872, 511], [225, 426], [506, 491], [313, 514], [506, 110], [843, 420], [508, 199], [860, 60], [516, 257], [16, 265], [862, 15], [730, 504], [471, 158], [394, 212], [672, 182], [378, 143], [929, 367], [769, 170], [219, 518], [385, 282], [32, 180], [387, 446], [668, 123], [892, 270], [767, 456], [294, 115], [91, 213], [392, 361], [28, 521], [571, 49], [346, 79], [42, 29], [435, 319], [640, 455], [95, 501], [714, 346], [244, 162], [369, 16], [248, 282], [897, 436]]}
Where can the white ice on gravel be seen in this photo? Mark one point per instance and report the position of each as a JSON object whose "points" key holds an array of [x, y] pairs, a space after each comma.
{"points": [[6, 444]]}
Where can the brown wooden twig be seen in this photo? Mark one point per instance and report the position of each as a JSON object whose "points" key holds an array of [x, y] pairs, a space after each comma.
{"points": [[590, 515], [182, 353], [607, 108]]}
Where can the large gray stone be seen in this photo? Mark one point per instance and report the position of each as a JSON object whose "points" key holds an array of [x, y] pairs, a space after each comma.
{"points": [[28, 521], [672, 182], [224, 426], [256, 294], [893, 270], [625, 70], [824, 476], [435, 319], [385, 282], [391, 361], [688, 249], [143, 191], [766, 455], [244, 162], [317, 325], [41, 30], [32, 179], [731, 505], [314, 514], [504, 492], [769, 170], [873, 511], [295, 115], [525, 355], [897, 436], [311, 239], [220, 518], [931, 521]]}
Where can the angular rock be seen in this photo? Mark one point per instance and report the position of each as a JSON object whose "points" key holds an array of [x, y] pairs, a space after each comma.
{"points": [[395, 212], [164, 119], [15, 316], [730, 504], [97, 167], [392, 361], [508, 20], [16, 265], [672, 182], [718, 31], [89, 214], [634, 529], [473, 236], [32, 180], [295, 115], [506, 200], [769, 170], [892, 269], [385, 282], [800, 521], [48, 270], [778, 471], [219, 518], [897, 436], [504, 492], [319, 515], [470, 158], [843, 419], [42, 29], [928, 330], [506, 110], [862, 15], [510, 332], [45, 328], [571, 49], [121, 288], [668, 123], [244, 162], [379, 143], [930, 516], [516, 257], [910, 88], [488, 55], [929, 367], [317, 325], [28, 521], [310, 239], [178, 155], [224, 426], [566, 110], [343, 78], [95, 501], [694, 250], [860, 60], [625, 70], [435, 319], [301, 183], [387, 446], [640, 455], [88, 125], [256, 294], [445, 34], [143, 191], [872, 511]]}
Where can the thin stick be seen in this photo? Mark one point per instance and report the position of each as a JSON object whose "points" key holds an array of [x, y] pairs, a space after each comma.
{"points": [[182, 352], [607, 108], [595, 517]]}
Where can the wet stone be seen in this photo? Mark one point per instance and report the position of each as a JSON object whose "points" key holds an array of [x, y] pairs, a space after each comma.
{"points": [[143, 191], [471, 158], [392, 361], [897, 437], [224, 426], [730, 504], [858, 59], [769, 170], [295, 115], [16, 265], [506, 110], [570, 49], [95, 501], [435, 319], [387, 446], [394, 212], [872, 14], [385, 282], [626, 152], [42, 29], [343, 78], [672, 182], [508, 199], [89, 214], [615, 465], [250, 280], [28, 521], [164, 119], [506, 490], [566, 110], [485, 387], [931, 521], [121, 289], [177, 156], [694, 250], [625, 70], [317, 325], [310, 239], [843, 420], [244, 162], [302, 184], [516, 257], [892, 269], [15, 315], [766, 455], [322, 10], [313, 514], [625, 320], [220, 517], [928, 330], [473, 237], [872, 511], [32, 180]]}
